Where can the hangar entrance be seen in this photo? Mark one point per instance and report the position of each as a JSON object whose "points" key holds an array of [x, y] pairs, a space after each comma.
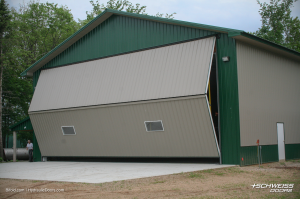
{"points": [[109, 101], [212, 95]]}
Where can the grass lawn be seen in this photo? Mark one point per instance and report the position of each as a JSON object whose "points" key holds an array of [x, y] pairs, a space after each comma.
{"points": [[232, 182]]}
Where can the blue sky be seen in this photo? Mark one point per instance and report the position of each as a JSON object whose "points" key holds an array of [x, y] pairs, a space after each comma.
{"points": [[236, 14]]}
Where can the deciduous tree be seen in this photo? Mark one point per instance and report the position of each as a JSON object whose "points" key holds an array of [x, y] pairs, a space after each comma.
{"points": [[278, 25], [121, 5], [4, 21], [33, 30]]}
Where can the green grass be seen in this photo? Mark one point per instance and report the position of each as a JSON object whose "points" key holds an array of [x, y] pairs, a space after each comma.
{"points": [[207, 171], [294, 161], [195, 175], [12, 160], [282, 163], [100, 184], [231, 186], [287, 182], [203, 197], [161, 181], [234, 170], [272, 176], [277, 196], [271, 182], [219, 174]]}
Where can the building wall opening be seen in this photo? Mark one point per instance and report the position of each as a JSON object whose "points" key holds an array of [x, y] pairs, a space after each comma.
{"points": [[212, 94]]}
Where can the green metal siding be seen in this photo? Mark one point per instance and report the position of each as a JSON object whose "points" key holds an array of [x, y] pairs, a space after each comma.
{"points": [[9, 144], [35, 78], [228, 101], [292, 151], [22, 125], [269, 153], [120, 34], [37, 157], [109, 12]]}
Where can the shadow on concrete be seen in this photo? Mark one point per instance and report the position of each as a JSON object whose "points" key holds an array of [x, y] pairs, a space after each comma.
{"points": [[136, 160]]}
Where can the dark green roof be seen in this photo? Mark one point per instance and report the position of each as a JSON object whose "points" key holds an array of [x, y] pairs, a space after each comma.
{"points": [[264, 41], [19, 126], [108, 12]]}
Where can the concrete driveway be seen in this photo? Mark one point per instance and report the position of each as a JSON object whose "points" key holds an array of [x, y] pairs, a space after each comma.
{"points": [[95, 172]]}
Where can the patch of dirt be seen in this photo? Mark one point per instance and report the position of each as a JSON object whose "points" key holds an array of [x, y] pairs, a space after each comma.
{"points": [[298, 168], [232, 182]]}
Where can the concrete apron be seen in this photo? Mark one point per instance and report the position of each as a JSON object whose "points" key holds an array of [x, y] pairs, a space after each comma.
{"points": [[95, 172]]}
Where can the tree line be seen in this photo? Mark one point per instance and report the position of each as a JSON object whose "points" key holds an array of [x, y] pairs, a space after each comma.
{"points": [[26, 35], [32, 30]]}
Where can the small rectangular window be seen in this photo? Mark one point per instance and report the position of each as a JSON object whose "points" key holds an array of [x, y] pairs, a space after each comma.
{"points": [[154, 126], [68, 130]]}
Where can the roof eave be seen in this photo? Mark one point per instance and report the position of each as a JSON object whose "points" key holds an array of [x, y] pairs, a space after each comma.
{"points": [[243, 36], [174, 22]]}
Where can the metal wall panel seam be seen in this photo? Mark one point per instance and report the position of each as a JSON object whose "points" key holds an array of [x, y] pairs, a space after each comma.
{"points": [[122, 104]]}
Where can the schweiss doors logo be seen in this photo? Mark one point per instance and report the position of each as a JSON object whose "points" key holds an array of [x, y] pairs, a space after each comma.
{"points": [[275, 187]]}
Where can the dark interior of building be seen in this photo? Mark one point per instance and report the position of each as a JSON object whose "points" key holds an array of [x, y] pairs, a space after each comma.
{"points": [[212, 95]]}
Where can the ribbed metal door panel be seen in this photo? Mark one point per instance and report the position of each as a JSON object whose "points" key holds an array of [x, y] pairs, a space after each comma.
{"points": [[119, 130], [165, 72]]}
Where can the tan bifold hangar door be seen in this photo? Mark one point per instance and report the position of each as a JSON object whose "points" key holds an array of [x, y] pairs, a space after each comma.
{"points": [[150, 103]]}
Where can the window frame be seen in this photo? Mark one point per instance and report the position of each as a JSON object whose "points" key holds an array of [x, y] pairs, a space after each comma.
{"points": [[163, 129], [68, 126]]}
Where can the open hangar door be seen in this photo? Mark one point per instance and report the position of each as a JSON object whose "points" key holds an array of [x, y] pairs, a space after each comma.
{"points": [[150, 103], [213, 96]]}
